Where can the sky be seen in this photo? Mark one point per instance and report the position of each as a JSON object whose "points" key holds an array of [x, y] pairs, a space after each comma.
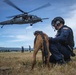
{"points": [[22, 35]]}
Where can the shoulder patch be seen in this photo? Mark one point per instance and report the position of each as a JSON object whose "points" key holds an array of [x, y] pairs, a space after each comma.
{"points": [[65, 28]]}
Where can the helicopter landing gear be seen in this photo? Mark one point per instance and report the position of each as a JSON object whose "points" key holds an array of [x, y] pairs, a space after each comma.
{"points": [[2, 26], [31, 24], [41, 21]]}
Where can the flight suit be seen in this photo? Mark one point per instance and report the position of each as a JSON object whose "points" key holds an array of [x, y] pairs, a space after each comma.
{"points": [[59, 45]]}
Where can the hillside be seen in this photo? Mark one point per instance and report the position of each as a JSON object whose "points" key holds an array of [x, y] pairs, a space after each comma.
{"points": [[10, 49]]}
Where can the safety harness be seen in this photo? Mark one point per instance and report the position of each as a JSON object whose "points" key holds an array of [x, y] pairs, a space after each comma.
{"points": [[45, 53]]}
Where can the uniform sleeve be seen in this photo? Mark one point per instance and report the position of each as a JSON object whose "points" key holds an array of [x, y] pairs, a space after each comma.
{"points": [[63, 37]]}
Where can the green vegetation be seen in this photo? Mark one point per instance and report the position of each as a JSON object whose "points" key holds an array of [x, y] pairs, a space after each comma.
{"points": [[17, 63]]}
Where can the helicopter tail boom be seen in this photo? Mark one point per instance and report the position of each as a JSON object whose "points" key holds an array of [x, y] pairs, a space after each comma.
{"points": [[44, 18], [5, 22]]}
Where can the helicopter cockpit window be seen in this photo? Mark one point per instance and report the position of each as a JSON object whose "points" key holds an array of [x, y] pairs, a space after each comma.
{"points": [[18, 18], [34, 17]]}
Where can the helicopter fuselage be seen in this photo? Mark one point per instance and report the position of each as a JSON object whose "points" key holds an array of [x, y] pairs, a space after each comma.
{"points": [[22, 20]]}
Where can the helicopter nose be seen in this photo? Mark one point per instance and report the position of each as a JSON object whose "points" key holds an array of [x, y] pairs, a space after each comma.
{"points": [[0, 23]]}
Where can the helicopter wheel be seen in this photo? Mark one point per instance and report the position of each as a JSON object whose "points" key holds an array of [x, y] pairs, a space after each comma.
{"points": [[2, 26], [31, 24]]}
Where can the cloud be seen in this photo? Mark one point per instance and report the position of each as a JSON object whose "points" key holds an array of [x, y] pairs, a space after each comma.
{"points": [[20, 38], [71, 16], [71, 19], [10, 36], [29, 27]]}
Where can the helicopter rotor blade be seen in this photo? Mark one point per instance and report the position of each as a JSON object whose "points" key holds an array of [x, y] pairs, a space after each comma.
{"points": [[41, 7], [13, 5]]}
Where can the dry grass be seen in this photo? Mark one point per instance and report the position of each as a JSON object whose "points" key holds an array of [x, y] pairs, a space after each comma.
{"points": [[16, 63]]}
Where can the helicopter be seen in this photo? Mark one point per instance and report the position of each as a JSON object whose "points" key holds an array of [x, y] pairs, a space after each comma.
{"points": [[25, 17]]}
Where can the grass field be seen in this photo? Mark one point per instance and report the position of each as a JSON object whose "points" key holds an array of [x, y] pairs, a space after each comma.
{"points": [[17, 63]]}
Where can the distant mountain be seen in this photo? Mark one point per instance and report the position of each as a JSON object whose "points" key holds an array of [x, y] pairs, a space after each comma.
{"points": [[13, 49]]}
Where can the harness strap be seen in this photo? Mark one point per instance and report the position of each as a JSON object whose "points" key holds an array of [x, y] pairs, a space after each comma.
{"points": [[44, 43], [35, 39]]}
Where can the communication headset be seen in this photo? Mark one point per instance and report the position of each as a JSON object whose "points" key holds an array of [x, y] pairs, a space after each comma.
{"points": [[57, 23]]}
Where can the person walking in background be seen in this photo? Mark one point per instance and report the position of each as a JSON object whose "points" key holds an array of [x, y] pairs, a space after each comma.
{"points": [[29, 48], [22, 49]]}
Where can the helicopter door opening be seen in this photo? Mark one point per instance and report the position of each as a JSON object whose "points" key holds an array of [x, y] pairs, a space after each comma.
{"points": [[18, 19], [30, 18]]}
